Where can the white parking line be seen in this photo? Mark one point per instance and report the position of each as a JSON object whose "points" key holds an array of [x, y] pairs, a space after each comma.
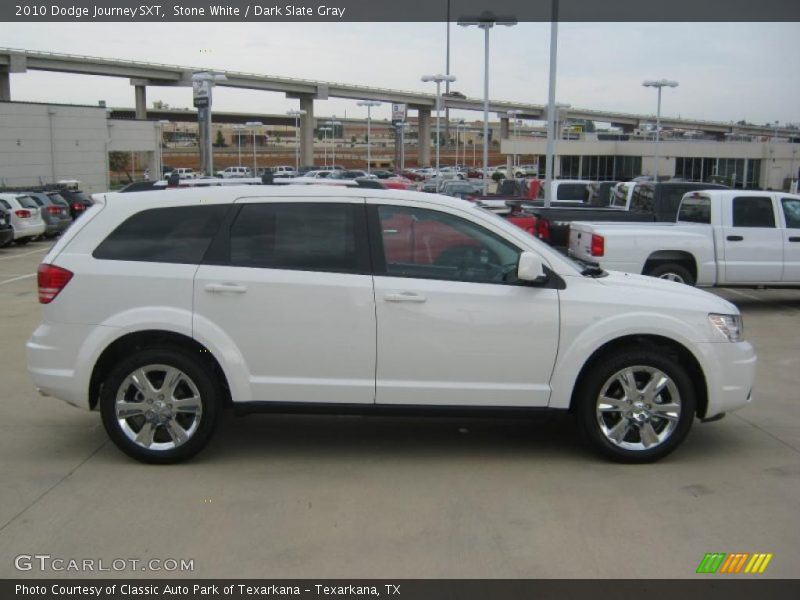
{"points": [[737, 292], [24, 253], [13, 279]]}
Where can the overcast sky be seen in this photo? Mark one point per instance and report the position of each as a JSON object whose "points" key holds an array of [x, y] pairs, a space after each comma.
{"points": [[726, 71]]}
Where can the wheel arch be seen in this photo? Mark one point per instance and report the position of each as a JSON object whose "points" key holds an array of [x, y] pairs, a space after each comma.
{"points": [[680, 257], [151, 338], [668, 346]]}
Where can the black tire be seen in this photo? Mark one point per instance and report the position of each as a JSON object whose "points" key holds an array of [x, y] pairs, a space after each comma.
{"points": [[196, 372], [596, 381], [672, 272], [22, 241]]}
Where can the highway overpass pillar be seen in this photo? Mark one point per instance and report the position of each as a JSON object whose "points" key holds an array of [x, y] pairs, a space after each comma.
{"points": [[140, 92], [424, 136], [307, 131], [5, 86]]}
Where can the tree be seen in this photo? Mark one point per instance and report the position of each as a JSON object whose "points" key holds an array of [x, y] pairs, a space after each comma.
{"points": [[220, 141], [118, 162]]}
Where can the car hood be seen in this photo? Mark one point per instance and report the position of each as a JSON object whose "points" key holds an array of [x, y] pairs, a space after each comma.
{"points": [[662, 291]]}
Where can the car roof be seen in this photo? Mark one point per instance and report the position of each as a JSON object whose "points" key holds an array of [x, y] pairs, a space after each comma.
{"points": [[228, 194]]}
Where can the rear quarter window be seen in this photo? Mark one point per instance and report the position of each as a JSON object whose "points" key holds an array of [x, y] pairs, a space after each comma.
{"points": [[170, 235]]}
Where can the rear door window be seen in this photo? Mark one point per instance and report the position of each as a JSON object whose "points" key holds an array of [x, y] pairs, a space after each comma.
{"points": [[311, 236], [753, 211], [170, 235], [571, 191]]}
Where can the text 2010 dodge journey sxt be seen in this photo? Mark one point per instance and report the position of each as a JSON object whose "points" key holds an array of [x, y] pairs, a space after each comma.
{"points": [[163, 308]]}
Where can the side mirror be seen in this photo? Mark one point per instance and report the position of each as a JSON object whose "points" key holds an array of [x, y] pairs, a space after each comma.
{"points": [[531, 268]]}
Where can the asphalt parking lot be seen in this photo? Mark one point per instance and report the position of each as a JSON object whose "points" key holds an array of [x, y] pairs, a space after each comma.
{"points": [[325, 497]]}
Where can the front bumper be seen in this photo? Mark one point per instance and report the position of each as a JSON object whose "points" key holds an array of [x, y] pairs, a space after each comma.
{"points": [[730, 370]]}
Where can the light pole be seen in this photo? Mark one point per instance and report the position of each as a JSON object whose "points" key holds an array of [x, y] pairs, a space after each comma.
{"points": [[486, 21], [513, 115], [438, 79], [325, 131], [254, 124], [296, 114], [161, 124], [661, 83], [238, 127], [775, 139], [369, 104], [202, 84], [459, 126], [333, 123]]}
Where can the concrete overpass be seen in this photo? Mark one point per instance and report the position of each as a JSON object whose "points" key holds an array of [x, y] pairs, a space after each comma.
{"points": [[144, 74]]}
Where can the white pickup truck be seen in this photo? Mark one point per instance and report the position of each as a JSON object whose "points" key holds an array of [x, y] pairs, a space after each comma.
{"points": [[722, 237]]}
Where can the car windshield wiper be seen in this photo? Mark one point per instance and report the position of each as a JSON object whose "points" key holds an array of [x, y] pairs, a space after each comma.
{"points": [[593, 271]]}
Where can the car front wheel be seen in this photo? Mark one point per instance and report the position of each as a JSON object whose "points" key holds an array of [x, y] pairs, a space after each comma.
{"points": [[636, 406], [160, 405]]}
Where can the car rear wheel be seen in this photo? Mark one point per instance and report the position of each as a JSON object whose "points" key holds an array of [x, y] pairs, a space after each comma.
{"points": [[22, 241], [672, 272], [636, 406], [160, 405]]}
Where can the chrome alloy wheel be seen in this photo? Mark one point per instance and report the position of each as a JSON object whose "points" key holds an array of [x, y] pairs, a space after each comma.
{"points": [[158, 407], [638, 408], [672, 277]]}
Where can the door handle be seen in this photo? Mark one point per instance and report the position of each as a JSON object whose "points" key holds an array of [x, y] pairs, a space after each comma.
{"points": [[223, 288], [794, 239], [734, 238], [404, 297]]}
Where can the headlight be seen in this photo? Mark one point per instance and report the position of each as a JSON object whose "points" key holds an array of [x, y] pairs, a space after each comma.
{"points": [[728, 325]]}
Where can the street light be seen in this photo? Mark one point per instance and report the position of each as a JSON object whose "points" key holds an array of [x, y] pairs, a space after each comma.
{"points": [[254, 124], [161, 124], [438, 79], [512, 115], [333, 123], [296, 114], [369, 104], [459, 126], [486, 21], [238, 127], [325, 131], [661, 83]]}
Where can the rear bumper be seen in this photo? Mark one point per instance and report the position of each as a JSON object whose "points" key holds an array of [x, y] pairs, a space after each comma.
{"points": [[57, 226], [730, 372], [61, 358], [25, 230]]}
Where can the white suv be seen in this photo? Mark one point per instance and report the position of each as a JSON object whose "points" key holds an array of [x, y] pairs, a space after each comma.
{"points": [[234, 172], [163, 308]]}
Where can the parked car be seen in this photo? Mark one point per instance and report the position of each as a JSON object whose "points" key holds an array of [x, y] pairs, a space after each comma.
{"points": [[382, 173], [234, 172], [459, 188], [54, 211], [26, 216], [283, 171], [6, 228], [722, 237], [350, 174], [164, 308], [182, 172], [78, 201]]}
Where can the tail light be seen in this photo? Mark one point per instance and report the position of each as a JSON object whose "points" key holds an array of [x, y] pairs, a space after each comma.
{"points": [[543, 229], [78, 207], [598, 247], [51, 281], [53, 210], [23, 214]]}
